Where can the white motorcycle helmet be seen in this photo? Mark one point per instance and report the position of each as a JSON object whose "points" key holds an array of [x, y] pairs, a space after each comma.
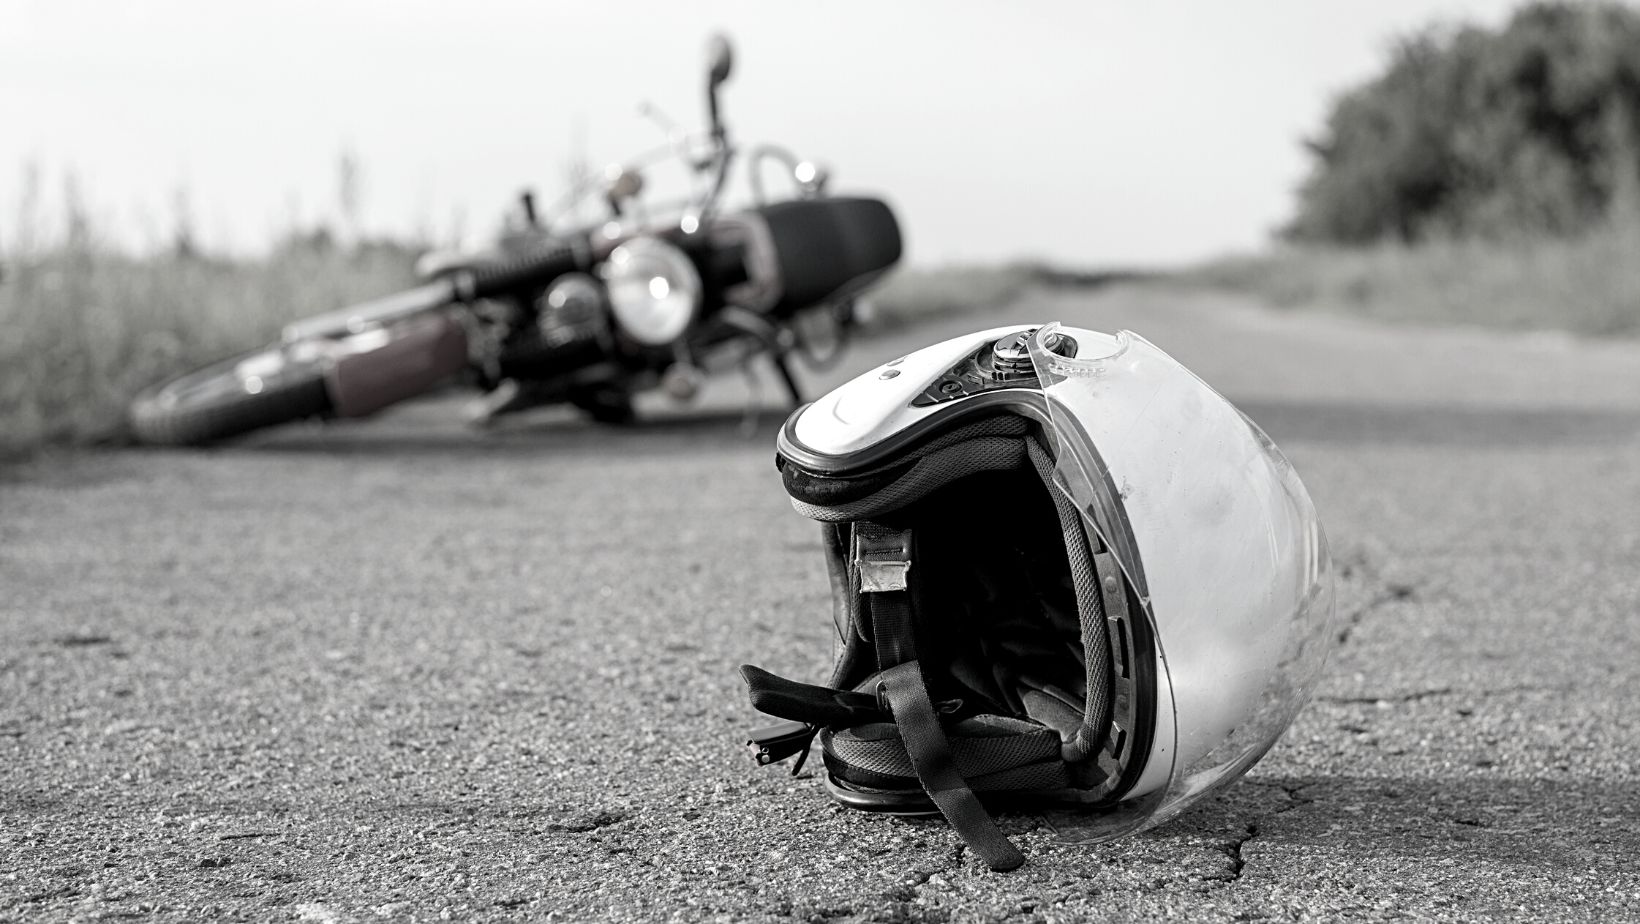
{"points": [[1065, 572]]}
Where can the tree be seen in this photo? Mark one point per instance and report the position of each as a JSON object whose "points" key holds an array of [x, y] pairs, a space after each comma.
{"points": [[1530, 129]]}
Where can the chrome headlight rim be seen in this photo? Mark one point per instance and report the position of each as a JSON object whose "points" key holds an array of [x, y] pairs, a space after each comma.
{"points": [[654, 290]]}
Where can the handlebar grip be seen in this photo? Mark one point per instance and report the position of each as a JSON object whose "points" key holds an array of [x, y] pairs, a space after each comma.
{"points": [[536, 265]]}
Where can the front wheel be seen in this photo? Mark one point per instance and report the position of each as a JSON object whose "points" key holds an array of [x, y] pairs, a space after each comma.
{"points": [[255, 390]]}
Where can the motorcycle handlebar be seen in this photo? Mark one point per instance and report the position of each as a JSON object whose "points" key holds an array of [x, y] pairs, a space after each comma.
{"points": [[539, 263], [486, 280]]}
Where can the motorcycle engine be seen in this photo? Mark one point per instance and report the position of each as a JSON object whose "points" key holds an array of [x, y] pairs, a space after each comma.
{"points": [[571, 329], [571, 310]]}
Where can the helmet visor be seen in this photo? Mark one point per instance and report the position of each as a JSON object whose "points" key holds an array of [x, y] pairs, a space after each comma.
{"points": [[1211, 525]]}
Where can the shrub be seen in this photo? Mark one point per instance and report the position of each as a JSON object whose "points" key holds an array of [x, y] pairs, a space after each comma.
{"points": [[1527, 130]]}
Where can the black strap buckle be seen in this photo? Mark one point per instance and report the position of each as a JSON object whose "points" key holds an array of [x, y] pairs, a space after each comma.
{"points": [[778, 742]]}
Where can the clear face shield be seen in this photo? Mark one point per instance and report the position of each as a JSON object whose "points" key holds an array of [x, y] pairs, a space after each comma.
{"points": [[1211, 525]]}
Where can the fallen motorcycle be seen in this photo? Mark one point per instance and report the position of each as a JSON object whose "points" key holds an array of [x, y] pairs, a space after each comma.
{"points": [[647, 297]]}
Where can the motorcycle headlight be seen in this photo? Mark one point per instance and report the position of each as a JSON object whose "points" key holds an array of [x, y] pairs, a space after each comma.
{"points": [[654, 290]]}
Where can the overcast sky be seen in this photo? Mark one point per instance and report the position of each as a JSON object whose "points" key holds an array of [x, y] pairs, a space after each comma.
{"points": [[1087, 133]]}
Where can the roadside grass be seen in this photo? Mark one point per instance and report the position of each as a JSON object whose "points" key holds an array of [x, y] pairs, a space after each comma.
{"points": [[1588, 285], [85, 329], [911, 295]]}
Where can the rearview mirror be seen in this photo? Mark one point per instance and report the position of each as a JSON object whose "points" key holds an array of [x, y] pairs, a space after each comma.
{"points": [[622, 182], [720, 59]]}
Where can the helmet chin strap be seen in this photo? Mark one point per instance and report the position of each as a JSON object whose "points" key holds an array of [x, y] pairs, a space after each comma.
{"points": [[883, 559]]}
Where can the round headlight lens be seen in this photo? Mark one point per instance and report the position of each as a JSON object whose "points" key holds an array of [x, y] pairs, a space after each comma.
{"points": [[654, 290]]}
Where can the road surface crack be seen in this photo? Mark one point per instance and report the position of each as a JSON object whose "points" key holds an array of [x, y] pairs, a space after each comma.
{"points": [[1386, 698], [1392, 592], [82, 639], [583, 822], [1361, 567], [1232, 848]]}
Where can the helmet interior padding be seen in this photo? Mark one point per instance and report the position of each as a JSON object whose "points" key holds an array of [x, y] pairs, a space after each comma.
{"points": [[1000, 603], [1003, 581]]}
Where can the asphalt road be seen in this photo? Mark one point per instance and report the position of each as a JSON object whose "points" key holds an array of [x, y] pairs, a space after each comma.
{"points": [[403, 670]]}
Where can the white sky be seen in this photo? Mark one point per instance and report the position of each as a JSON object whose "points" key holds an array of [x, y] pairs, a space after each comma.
{"points": [[1092, 133]]}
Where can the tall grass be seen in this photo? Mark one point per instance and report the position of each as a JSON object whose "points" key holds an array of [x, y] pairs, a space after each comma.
{"points": [[83, 328], [1588, 284]]}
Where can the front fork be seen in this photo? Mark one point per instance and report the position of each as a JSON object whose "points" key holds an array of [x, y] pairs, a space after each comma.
{"points": [[776, 340], [782, 366]]}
